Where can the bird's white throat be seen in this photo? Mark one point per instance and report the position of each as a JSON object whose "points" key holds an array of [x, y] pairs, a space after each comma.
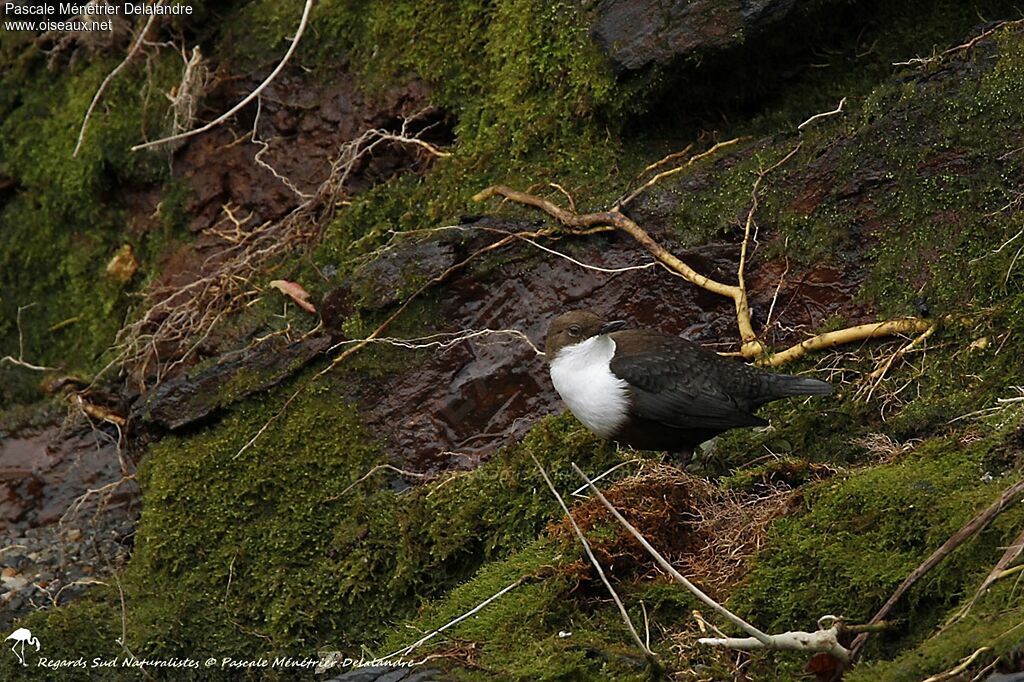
{"points": [[582, 376]]}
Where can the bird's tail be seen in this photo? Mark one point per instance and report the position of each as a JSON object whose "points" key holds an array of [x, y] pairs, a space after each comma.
{"points": [[784, 385]]}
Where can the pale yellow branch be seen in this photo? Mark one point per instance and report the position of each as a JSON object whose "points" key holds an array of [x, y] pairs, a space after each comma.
{"points": [[671, 157], [861, 332], [953, 673], [880, 372], [673, 171], [751, 347]]}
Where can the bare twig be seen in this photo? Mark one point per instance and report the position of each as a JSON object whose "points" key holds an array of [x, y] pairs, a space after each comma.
{"points": [[177, 318], [444, 340], [669, 173], [823, 114], [593, 559], [775, 296], [953, 672], [576, 493], [423, 640], [972, 528], [264, 148], [751, 347], [587, 266], [861, 332], [1002, 404], [999, 571], [921, 61], [622, 222], [123, 639], [879, 373], [1000, 247], [26, 365], [669, 158], [248, 98], [107, 489], [663, 562], [20, 360], [371, 472], [875, 378], [113, 74], [742, 306], [824, 640]]}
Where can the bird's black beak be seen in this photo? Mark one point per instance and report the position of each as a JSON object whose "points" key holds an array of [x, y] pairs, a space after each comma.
{"points": [[609, 327]]}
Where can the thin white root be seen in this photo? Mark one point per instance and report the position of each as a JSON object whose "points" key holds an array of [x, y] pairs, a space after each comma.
{"points": [[110, 77], [423, 640], [26, 365], [442, 340], [248, 98], [593, 559], [837, 110], [371, 472], [663, 562], [20, 360]]}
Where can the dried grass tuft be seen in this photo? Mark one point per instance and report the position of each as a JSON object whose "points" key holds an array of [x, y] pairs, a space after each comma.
{"points": [[709, 533]]}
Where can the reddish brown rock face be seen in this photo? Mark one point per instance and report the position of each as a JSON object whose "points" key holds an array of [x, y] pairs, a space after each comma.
{"points": [[459, 405]]}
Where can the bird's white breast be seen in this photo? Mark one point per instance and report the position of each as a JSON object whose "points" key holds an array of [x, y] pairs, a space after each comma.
{"points": [[582, 376]]}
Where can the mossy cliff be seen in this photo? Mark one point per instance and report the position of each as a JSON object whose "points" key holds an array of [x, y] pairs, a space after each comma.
{"points": [[298, 545]]}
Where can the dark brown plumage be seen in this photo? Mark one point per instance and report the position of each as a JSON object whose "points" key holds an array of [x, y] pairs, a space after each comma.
{"points": [[677, 394]]}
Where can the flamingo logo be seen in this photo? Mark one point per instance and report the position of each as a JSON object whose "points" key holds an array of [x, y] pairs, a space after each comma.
{"points": [[20, 636]]}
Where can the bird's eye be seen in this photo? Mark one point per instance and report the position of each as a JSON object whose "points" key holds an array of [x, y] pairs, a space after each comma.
{"points": [[574, 330]]}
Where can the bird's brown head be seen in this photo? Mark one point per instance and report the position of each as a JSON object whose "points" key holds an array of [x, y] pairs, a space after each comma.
{"points": [[573, 327]]}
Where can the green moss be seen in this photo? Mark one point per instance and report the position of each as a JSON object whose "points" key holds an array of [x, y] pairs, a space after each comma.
{"points": [[89, 630], [994, 622], [537, 631], [282, 549], [533, 100], [888, 517], [66, 217]]}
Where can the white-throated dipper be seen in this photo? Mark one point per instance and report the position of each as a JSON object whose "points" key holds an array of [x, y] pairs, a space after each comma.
{"points": [[656, 391]]}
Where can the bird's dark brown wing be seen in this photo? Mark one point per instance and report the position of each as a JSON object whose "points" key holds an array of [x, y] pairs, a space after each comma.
{"points": [[677, 383]]}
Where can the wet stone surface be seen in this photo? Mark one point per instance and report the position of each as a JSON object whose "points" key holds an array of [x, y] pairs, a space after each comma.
{"points": [[301, 130], [188, 398], [54, 545], [454, 407], [635, 33]]}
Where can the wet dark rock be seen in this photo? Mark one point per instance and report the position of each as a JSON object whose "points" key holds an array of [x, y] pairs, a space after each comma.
{"points": [[336, 307], [635, 33], [303, 127], [18, 561], [398, 272], [186, 399], [39, 554], [477, 395], [42, 472]]}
